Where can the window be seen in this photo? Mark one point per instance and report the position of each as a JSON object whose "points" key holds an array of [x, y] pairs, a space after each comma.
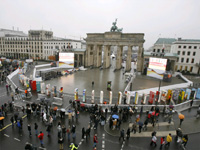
{"points": [[176, 68], [182, 59], [181, 68], [179, 46], [158, 50], [177, 59], [191, 68], [184, 46], [187, 60], [190, 47], [192, 60], [194, 53], [185, 68], [179, 52], [188, 53], [195, 47], [183, 53]]}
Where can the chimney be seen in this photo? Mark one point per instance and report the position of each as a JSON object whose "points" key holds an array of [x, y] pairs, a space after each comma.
{"points": [[179, 39]]}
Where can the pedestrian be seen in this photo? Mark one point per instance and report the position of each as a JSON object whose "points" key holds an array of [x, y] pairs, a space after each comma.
{"points": [[12, 121], [95, 140], [7, 87], [83, 133], [68, 133], [60, 142], [162, 142], [19, 127], [179, 134], [121, 135], [134, 126], [128, 133], [26, 92], [169, 140], [59, 130], [41, 136], [181, 120], [73, 146], [185, 140], [48, 130], [63, 131], [73, 130], [191, 103], [88, 132], [69, 117], [36, 129], [145, 124], [153, 140], [140, 126], [29, 129]]}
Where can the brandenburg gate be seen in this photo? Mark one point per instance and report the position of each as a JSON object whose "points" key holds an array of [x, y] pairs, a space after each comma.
{"points": [[96, 42]]}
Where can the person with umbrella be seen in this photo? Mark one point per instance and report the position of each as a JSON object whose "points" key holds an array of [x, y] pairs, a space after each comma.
{"points": [[181, 117]]}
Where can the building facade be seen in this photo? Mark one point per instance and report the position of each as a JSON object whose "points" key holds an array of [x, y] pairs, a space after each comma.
{"points": [[38, 44], [188, 51], [163, 45]]}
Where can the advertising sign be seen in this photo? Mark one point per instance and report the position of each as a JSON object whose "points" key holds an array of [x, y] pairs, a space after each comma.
{"points": [[101, 97], [198, 94], [128, 97], [175, 95], [157, 67], [92, 100], [66, 60], [110, 97], [136, 98], [119, 98], [193, 93], [151, 97], [76, 94], [84, 95], [187, 94]]}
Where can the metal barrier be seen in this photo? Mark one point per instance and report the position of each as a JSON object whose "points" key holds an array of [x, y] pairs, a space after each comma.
{"points": [[178, 107], [57, 101]]}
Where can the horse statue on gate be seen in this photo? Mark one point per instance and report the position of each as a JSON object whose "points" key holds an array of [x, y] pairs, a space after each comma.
{"points": [[114, 28]]}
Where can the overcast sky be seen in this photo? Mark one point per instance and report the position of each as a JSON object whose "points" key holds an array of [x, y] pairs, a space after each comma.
{"points": [[75, 18]]}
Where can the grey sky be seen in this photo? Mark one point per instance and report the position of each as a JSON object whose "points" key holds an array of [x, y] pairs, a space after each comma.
{"points": [[75, 18]]}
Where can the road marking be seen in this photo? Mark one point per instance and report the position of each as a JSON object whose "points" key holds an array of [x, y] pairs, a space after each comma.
{"points": [[17, 139], [6, 135], [103, 142]]}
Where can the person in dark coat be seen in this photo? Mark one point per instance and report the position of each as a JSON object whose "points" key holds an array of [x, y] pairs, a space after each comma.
{"points": [[128, 133], [60, 142], [121, 135], [83, 132], [29, 129]]}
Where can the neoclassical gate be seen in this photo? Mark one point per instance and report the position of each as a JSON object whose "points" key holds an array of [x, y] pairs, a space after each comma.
{"points": [[95, 42]]}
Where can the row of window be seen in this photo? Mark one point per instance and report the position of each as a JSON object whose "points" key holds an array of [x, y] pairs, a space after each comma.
{"points": [[187, 60], [184, 68], [189, 47], [17, 50], [188, 53], [158, 50]]}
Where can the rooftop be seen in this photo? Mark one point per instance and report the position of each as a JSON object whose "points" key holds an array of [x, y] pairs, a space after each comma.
{"points": [[165, 40], [12, 33]]}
